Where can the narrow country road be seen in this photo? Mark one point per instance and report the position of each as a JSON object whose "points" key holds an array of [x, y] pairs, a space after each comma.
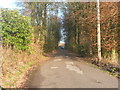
{"points": [[65, 72]]}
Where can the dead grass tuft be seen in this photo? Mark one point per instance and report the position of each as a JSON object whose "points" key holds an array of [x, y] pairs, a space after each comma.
{"points": [[16, 65]]}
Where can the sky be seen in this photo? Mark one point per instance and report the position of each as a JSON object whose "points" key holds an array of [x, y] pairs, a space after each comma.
{"points": [[7, 4]]}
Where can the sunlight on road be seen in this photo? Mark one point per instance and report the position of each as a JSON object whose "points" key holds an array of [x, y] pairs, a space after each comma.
{"points": [[57, 59], [70, 66], [53, 67]]}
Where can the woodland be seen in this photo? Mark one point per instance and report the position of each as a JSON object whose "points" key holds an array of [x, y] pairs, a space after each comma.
{"points": [[37, 28]]}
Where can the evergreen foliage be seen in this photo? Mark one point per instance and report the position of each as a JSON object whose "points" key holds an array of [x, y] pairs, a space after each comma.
{"points": [[16, 30]]}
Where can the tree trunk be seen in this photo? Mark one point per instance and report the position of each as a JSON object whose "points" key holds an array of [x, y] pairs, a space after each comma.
{"points": [[98, 31]]}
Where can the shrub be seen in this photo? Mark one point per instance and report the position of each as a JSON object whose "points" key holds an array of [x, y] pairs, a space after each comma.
{"points": [[16, 30], [82, 50]]}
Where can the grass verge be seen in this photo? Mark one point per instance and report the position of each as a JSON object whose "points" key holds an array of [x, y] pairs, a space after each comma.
{"points": [[17, 66]]}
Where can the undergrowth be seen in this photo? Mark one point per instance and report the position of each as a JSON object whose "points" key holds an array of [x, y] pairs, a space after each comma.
{"points": [[16, 64]]}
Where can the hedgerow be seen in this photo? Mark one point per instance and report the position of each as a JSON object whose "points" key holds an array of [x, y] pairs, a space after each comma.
{"points": [[16, 30]]}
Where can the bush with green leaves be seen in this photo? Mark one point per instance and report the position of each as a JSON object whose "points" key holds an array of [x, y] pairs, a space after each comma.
{"points": [[16, 30]]}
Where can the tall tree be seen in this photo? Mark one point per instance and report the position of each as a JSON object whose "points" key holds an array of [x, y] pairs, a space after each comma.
{"points": [[98, 31]]}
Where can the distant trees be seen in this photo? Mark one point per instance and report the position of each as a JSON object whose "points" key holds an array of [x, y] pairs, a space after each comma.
{"points": [[80, 23], [79, 27], [44, 19]]}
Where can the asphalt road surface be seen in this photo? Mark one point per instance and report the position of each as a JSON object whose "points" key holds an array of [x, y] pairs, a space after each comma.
{"points": [[62, 71]]}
